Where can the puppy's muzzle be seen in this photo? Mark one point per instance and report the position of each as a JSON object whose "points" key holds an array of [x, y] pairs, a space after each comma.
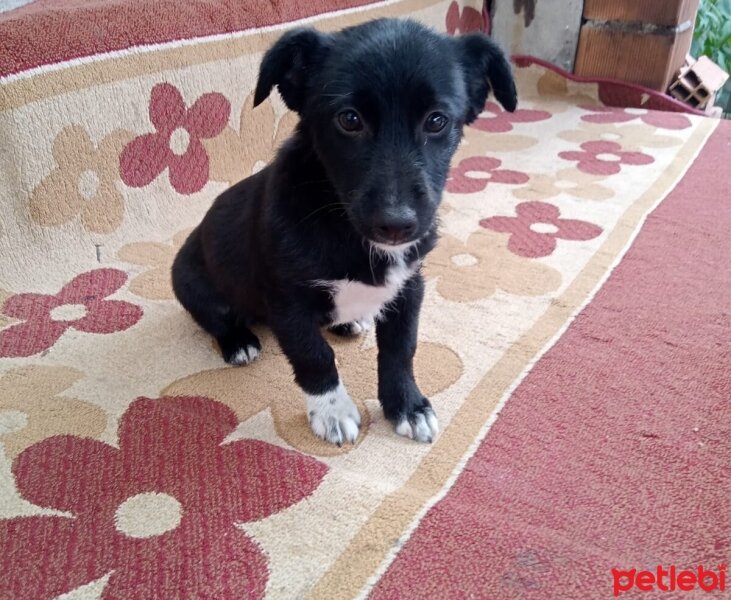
{"points": [[394, 227]]}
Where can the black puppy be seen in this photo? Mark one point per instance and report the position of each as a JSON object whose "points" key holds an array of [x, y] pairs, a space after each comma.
{"points": [[333, 232]]}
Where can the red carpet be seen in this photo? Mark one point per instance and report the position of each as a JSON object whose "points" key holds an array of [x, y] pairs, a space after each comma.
{"points": [[614, 451]]}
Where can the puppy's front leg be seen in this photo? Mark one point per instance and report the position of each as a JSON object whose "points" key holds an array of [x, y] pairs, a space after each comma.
{"points": [[332, 414], [403, 404]]}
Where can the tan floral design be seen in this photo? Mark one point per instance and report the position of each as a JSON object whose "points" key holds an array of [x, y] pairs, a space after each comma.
{"points": [[634, 136], [554, 88], [82, 182], [235, 154], [4, 319], [154, 283], [477, 268], [31, 408], [566, 181], [479, 143], [260, 385]]}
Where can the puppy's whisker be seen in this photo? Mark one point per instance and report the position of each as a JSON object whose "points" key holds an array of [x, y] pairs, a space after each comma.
{"points": [[371, 251], [335, 97], [341, 82], [330, 207]]}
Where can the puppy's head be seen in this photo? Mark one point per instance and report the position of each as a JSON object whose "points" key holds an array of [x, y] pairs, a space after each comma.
{"points": [[384, 104]]}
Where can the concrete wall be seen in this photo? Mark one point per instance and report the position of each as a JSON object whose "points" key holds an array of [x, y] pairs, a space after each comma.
{"points": [[547, 29]]}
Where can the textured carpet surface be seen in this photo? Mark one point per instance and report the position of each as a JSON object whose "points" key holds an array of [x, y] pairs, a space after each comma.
{"points": [[135, 464]]}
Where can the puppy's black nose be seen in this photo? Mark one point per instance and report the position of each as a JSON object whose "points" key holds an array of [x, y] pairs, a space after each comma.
{"points": [[395, 230]]}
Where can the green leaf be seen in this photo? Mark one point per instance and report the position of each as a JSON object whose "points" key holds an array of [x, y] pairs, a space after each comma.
{"points": [[725, 7]]}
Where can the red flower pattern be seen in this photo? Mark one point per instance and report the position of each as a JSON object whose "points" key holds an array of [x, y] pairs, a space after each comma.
{"points": [[177, 142], [496, 120], [158, 514], [463, 21], [81, 304], [537, 226], [656, 118], [473, 174], [605, 158]]}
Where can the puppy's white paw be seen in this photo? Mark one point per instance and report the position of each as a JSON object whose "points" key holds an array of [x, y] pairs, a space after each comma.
{"points": [[243, 356], [422, 425], [361, 326], [333, 416], [352, 328]]}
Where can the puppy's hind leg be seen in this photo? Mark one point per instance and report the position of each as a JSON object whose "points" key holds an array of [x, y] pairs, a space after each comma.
{"points": [[208, 307], [240, 345]]}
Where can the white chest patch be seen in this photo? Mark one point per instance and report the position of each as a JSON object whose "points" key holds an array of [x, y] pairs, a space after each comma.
{"points": [[356, 301]]}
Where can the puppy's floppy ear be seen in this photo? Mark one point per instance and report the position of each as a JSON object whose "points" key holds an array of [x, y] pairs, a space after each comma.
{"points": [[485, 66], [286, 65]]}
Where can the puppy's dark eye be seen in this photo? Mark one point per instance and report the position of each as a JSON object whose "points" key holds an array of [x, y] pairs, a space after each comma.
{"points": [[435, 122], [350, 121]]}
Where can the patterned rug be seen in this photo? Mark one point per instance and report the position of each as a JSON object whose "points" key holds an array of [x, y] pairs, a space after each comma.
{"points": [[135, 464]]}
